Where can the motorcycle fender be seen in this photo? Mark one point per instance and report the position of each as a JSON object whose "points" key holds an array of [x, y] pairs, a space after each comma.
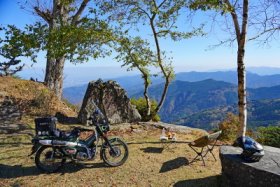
{"points": [[35, 148], [105, 144]]}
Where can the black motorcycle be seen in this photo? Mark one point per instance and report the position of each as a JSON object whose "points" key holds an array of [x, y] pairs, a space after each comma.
{"points": [[53, 146]]}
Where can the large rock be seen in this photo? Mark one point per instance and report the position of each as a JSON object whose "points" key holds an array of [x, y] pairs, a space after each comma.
{"points": [[111, 99], [237, 172]]}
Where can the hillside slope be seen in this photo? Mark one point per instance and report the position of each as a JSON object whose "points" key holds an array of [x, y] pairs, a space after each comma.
{"points": [[32, 98], [190, 97], [186, 98], [260, 113]]}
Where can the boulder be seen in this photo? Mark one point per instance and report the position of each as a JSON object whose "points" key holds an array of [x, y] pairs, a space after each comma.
{"points": [[111, 99], [237, 172]]}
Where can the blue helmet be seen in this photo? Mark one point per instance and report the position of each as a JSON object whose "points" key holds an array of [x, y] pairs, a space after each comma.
{"points": [[252, 150]]}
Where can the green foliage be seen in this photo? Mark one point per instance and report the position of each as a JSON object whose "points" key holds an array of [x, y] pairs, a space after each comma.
{"points": [[229, 127], [79, 42], [160, 17], [70, 33], [269, 135], [15, 45], [16, 76], [135, 53], [76, 42], [205, 5], [142, 108]]}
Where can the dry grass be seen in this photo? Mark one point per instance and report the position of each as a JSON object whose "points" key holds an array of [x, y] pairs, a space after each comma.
{"points": [[147, 165], [33, 98]]}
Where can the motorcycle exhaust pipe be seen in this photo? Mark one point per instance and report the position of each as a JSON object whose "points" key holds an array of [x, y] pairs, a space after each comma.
{"points": [[58, 143], [64, 143]]}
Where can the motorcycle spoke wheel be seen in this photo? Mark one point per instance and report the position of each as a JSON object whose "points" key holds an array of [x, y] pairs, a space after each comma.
{"points": [[116, 156], [49, 159]]}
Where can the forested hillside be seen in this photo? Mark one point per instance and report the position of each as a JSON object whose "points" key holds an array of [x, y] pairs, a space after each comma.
{"points": [[134, 84], [260, 113], [201, 104]]}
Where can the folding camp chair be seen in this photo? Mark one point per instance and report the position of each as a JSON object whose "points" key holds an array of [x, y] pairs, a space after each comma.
{"points": [[207, 144]]}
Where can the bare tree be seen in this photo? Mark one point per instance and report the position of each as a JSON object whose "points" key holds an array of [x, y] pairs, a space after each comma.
{"points": [[263, 23]]}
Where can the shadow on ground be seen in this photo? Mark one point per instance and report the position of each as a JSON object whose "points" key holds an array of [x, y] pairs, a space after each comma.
{"points": [[66, 120], [15, 128], [15, 171], [173, 164], [152, 150], [207, 181]]}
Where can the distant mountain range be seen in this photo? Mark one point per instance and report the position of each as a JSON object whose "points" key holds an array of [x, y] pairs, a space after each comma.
{"points": [[188, 98], [134, 84], [253, 80], [203, 102]]}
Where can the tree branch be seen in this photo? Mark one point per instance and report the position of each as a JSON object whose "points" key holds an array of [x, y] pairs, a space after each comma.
{"points": [[244, 22], [79, 12], [235, 21], [45, 15], [264, 32]]}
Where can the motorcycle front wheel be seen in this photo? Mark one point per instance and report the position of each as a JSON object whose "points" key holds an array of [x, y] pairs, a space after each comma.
{"points": [[49, 159], [116, 154]]}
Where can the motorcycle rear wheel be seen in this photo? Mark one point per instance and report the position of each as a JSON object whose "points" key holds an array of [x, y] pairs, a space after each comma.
{"points": [[49, 159], [116, 157]]}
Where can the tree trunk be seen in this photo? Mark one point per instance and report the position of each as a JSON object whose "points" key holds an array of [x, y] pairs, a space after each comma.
{"points": [[54, 75], [242, 104], [164, 72], [56, 17], [241, 34], [163, 96], [148, 103]]}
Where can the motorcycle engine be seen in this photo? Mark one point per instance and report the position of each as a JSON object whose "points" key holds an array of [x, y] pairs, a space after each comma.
{"points": [[81, 156]]}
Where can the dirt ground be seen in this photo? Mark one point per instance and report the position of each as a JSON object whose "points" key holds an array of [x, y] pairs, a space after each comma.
{"points": [[149, 164]]}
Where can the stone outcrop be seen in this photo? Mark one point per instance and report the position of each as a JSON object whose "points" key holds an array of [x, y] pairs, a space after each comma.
{"points": [[237, 172], [152, 126], [111, 99]]}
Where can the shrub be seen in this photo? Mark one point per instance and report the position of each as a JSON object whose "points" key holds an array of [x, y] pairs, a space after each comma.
{"points": [[42, 103], [229, 127], [269, 135], [142, 108]]}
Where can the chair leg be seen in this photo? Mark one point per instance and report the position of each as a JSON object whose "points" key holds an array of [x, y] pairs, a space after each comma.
{"points": [[199, 154], [167, 144], [194, 159], [210, 150], [203, 160]]}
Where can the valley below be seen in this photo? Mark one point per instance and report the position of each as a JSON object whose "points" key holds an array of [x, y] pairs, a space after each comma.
{"points": [[203, 99]]}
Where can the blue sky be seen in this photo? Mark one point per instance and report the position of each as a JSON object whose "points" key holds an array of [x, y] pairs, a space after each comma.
{"points": [[187, 55]]}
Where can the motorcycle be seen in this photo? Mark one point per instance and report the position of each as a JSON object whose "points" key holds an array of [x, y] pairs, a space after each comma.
{"points": [[53, 146]]}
